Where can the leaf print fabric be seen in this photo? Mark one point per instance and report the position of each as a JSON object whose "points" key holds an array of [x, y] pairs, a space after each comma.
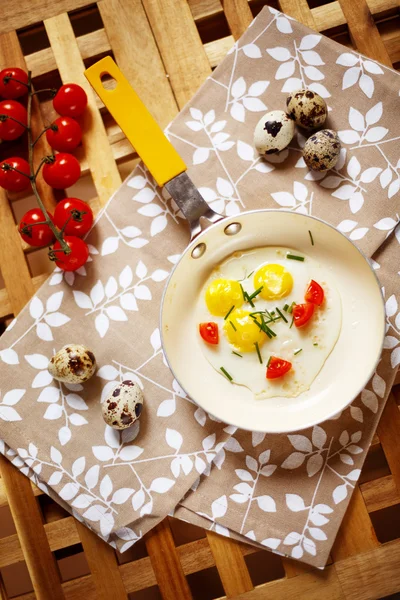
{"points": [[286, 493]]}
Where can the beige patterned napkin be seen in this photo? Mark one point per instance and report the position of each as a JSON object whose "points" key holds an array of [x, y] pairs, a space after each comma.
{"points": [[287, 493]]}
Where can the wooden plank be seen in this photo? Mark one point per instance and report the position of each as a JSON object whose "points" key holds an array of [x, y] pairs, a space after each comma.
{"points": [[136, 39], [99, 156], [3, 494], [356, 533], [317, 585], [231, 565], [363, 30], [103, 565], [180, 46], [6, 306], [165, 560], [371, 575], [298, 9], [380, 493], [388, 431], [21, 14], [238, 15]]}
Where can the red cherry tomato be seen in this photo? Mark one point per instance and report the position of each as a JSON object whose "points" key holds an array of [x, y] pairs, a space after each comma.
{"points": [[70, 100], [10, 129], [65, 136], [10, 88], [78, 214], [314, 293], [302, 313], [278, 367], [77, 257], [209, 332], [63, 172], [35, 235], [11, 180]]}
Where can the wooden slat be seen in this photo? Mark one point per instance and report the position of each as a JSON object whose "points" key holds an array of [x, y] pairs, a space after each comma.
{"points": [[102, 165], [388, 432], [138, 41], [231, 565], [165, 560], [356, 533], [238, 15], [19, 14], [299, 10], [371, 575], [3, 495], [380, 493], [180, 46], [363, 30]]}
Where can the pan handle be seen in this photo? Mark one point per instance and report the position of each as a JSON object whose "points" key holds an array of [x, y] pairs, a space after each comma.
{"points": [[149, 141]]}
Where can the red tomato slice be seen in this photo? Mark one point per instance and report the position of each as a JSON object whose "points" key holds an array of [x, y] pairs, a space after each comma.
{"points": [[315, 293], [278, 367], [302, 313], [209, 332]]}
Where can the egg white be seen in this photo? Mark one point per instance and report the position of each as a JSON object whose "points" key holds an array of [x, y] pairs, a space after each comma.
{"points": [[323, 329]]}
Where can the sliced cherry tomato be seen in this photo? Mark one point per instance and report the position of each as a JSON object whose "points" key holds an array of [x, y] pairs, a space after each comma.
{"points": [[78, 214], [63, 172], [9, 88], [77, 257], [64, 134], [70, 100], [35, 235], [302, 313], [10, 180], [315, 293], [278, 367], [9, 128], [209, 332]]}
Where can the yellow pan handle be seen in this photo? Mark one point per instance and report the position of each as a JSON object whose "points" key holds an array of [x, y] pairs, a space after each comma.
{"points": [[141, 129]]}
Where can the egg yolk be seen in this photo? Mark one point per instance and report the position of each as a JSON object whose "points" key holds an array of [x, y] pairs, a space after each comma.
{"points": [[221, 295], [241, 331], [276, 281]]}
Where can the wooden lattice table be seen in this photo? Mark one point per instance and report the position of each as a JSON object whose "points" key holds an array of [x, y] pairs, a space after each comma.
{"points": [[178, 42]]}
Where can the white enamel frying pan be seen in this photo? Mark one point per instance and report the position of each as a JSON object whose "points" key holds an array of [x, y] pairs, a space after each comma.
{"points": [[357, 351]]}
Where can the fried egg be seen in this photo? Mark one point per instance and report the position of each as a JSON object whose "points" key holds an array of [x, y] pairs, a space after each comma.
{"points": [[244, 349]]}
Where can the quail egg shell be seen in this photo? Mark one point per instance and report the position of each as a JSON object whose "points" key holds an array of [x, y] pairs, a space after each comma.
{"points": [[123, 406], [321, 150], [307, 109], [74, 363], [273, 132]]}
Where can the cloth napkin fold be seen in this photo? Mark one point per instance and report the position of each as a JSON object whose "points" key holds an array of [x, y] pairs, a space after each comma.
{"points": [[286, 493]]}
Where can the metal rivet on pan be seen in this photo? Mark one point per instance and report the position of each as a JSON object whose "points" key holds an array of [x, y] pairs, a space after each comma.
{"points": [[232, 229], [198, 250]]}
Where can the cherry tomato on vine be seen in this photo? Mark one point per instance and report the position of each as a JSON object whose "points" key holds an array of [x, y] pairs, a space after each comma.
{"points": [[302, 313], [10, 88], [10, 129], [314, 293], [64, 134], [277, 367], [63, 172], [78, 214], [33, 234], [70, 100], [77, 257], [209, 332], [11, 180]]}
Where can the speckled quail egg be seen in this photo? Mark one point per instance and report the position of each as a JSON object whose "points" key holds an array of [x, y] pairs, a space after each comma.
{"points": [[307, 109], [321, 150], [273, 132], [123, 406], [72, 364]]}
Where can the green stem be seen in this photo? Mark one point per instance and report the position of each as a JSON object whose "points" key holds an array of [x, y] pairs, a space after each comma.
{"points": [[51, 90], [64, 246], [40, 135], [5, 117], [8, 78], [42, 162]]}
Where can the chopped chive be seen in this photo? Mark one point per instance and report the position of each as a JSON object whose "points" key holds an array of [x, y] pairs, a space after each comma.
{"points": [[250, 274], [258, 352], [281, 315], [229, 312], [226, 374], [249, 300], [315, 344], [311, 238], [269, 361], [243, 292], [290, 309], [268, 330], [286, 307], [295, 257], [254, 294], [272, 312], [237, 354], [290, 326], [234, 328], [297, 351]]}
